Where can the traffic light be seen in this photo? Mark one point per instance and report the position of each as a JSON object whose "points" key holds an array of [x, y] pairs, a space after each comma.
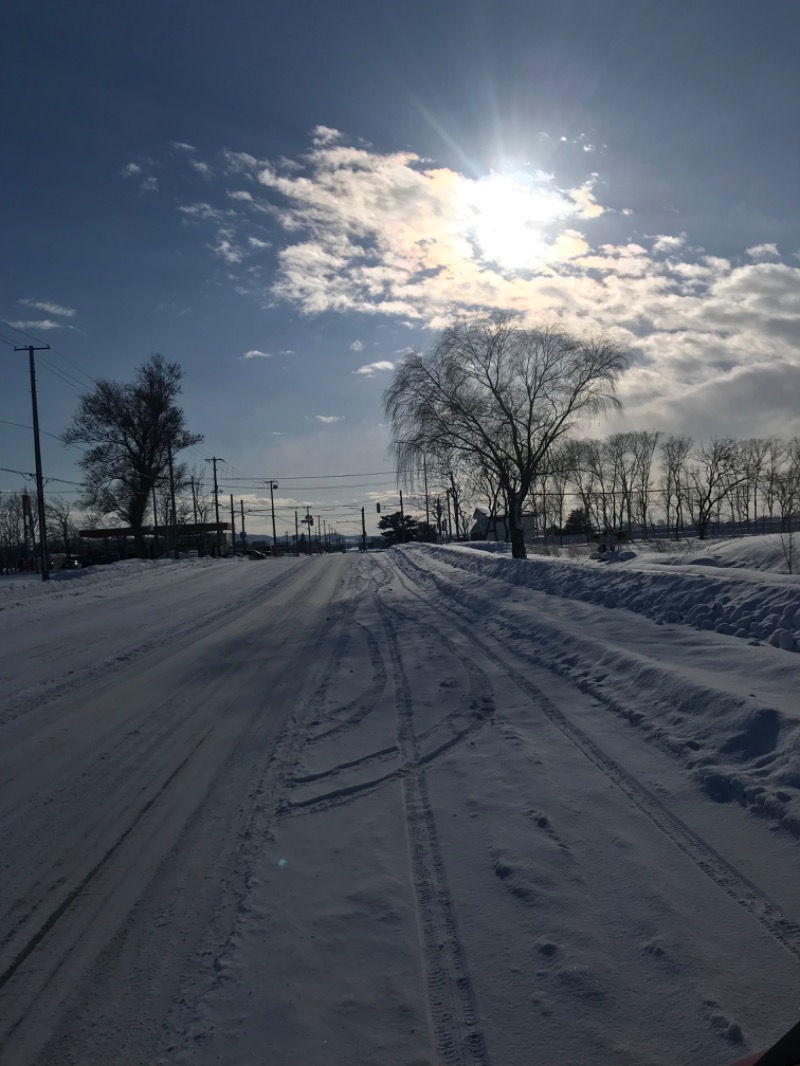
{"points": [[378, 508], [311, 520]]}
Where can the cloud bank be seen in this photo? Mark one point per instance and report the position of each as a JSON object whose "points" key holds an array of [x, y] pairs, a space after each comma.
{"points": [[352, 230]]}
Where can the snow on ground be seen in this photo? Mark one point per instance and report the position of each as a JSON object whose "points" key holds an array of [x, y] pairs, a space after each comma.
{"points": [[426, 806], [714, 649]]}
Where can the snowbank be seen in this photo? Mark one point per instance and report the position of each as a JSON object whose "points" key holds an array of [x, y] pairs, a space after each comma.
{"points": [[17, 588], [678, 588], [728, 713]]}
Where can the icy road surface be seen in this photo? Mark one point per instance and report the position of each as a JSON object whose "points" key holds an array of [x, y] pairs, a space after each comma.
{"points": [[388, 809]]}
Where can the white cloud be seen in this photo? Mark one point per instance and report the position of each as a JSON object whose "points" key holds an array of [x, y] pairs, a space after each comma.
{"points": [[357, 346], [239, 194], [392, 234], [130, 170], [201, 210], [254, 353], [256, 242], [239, 162], [372, 368], [763, 251], [665, 243], [49, 308], [202, 168], [40, 325], [328, 418], [149, 185], [225, 247], [183, 146], [322, 136]]}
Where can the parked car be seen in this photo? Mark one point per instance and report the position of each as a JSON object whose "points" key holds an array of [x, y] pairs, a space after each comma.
{"points": [[255, 554]]}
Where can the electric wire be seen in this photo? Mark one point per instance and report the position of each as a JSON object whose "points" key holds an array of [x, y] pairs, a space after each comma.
{"points": [[70, 378], [22, 331]]}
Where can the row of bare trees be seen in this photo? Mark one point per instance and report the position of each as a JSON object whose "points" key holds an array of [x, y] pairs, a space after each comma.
{"points": [[647, 480], [19, 522], [19, 527], [491, 401], [492, 415], [643, 481]]}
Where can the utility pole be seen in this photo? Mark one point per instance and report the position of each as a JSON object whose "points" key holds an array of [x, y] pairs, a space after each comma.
{"points": [[174, 516], [233, 526], [363, 532], [244, 535], [402, 512], [427, 501], [194, 509], [438, 517], [449, 519], [273, 485], [214, 461], [296, 535], [319, 535], [155, 519], [308, 529], [45, 562]]}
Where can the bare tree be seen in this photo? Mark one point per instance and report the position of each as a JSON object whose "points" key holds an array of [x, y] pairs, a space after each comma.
{"points": [[774, 461], [501, 395], [130, 430], [12, 529], [556, 485], [581, 463], [202, 502], [674, 457], [61, 528], [643, 444], [714, 471]]}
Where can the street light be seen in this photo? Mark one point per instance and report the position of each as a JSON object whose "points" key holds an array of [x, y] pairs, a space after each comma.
{"points": [[273, 485]]}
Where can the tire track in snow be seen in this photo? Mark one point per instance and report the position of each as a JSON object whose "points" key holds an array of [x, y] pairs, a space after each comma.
{"points": [[39, 695], [87, 909], [481, 706], [718, 870], [451, 997], [47, 924], [357, 710]]}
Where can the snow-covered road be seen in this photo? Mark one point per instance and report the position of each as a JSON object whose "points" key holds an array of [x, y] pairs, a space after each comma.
{"points": [[383, 809]]}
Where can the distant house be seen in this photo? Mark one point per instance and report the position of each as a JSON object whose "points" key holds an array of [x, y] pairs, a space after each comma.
{"points": [[488, 526]]}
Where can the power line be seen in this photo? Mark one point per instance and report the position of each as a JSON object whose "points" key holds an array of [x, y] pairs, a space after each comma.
{"points": [[62, 481], [314, 477], [22, 473], [61, 375], [76, 367], [65, 373], [310, 488], [20, 425], [22, 331]]}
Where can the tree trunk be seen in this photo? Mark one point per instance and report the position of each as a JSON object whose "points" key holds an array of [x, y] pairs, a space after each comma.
{"points": [[516, 532]]}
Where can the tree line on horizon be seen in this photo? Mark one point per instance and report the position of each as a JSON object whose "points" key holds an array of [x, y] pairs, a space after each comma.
{"points": [[491, 414], [488, 416]]}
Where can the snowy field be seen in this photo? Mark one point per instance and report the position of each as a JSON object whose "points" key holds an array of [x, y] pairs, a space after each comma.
{"points": [[432, 805]]}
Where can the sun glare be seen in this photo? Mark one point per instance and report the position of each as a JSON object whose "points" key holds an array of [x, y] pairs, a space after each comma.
{"points": [[506, 219]]}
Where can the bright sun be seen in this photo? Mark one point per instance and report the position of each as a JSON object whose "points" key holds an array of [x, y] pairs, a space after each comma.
{"points": [[506, 219]]}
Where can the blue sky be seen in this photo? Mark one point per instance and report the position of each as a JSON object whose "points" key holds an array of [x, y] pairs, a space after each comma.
{"points": [[285, 198]]}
